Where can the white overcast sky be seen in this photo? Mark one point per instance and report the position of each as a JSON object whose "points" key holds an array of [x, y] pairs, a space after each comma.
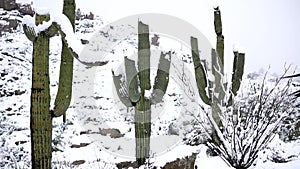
{"points": [[268, 30]]}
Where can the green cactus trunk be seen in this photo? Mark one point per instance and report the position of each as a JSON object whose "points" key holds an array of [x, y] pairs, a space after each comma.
{"points": [[219, 91], [143, 108], [64, 93], [142, 129], [40, 116]]}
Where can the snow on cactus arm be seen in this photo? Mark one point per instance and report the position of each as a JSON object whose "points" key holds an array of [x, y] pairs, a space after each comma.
{"points": [[62, 23], [32, 30]]}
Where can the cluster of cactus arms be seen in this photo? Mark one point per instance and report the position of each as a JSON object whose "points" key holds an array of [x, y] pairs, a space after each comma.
{"points": [[212, 91], [132, 92], [40, 113]]}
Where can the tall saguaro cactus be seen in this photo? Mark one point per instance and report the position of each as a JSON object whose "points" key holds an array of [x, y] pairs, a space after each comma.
{"points": [[40, 117], [40, 113], [212, 91], [132, 92]]}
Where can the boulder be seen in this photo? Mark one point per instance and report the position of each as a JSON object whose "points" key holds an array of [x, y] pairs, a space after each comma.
{"points": [[26, 10], [8, 4]]}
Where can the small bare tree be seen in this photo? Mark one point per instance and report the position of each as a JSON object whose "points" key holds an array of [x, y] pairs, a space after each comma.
{"points": [[250, 123]]}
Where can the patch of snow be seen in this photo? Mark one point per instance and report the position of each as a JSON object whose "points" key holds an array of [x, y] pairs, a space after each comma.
{"points": [[238, 48], [168, 57], [42, 10], [148, 93], [3, 22], [29, 21]]}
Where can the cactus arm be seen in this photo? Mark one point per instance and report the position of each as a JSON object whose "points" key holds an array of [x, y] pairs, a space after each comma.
{"points": [[69, 7], [40, 118], [238, 71], [29, 32], [132, 80], [217, 21], [237, 75], [200, 74], [64, 93], [144, 56], [162, 78], [51, 31], [220, 37], [121, 90]]}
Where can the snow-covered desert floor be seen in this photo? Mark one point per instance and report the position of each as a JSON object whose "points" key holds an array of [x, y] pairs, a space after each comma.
{"points": [[95, 108]]}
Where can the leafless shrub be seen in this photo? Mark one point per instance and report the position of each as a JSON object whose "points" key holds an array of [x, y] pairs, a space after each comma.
{"points": [[250, 123]]}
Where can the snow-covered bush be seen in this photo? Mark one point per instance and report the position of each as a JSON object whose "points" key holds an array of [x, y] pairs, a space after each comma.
{"points": [[290, 129], [251, 122]]}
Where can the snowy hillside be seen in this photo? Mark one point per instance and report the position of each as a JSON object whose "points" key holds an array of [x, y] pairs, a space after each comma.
{"points": [[99, 132]]}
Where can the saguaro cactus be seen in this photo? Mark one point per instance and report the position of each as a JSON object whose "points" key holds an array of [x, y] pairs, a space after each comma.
{"points": [[40, 113], [212, 91], [132, 92], [40, 117]]}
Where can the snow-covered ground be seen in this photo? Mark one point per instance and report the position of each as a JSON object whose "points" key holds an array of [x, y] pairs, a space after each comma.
{"points": [[95, 105]]}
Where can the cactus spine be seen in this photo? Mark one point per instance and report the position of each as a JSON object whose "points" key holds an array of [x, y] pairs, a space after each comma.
{"points": [[212, 91], [132, 93]]}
